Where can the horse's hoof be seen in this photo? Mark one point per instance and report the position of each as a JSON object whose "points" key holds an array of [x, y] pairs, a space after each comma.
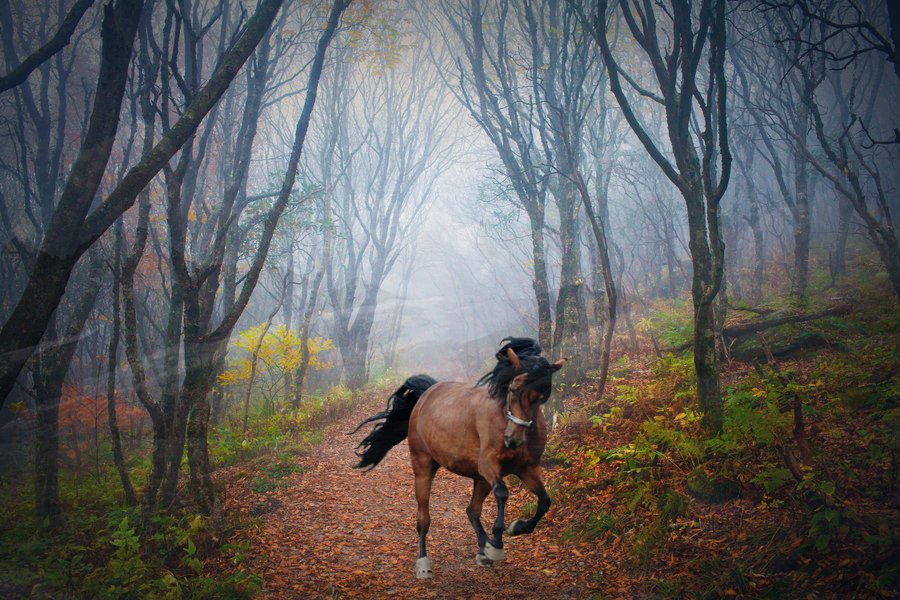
{"points": [[511, 530], [423, 568], [483, 561], [493, 554]]}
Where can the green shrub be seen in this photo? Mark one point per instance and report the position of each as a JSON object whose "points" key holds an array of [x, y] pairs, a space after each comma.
{"points": [[712, 488]]}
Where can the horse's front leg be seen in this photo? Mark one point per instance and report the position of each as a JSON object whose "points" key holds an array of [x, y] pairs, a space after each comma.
{"points": [[532, 480], [480, 491], [489, 468], [493, 549]]}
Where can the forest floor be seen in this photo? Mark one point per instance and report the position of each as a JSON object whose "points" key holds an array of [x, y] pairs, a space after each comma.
{"points": [[644, 505], [331, 531]]}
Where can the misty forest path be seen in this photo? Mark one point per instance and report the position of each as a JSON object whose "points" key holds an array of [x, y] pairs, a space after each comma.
{"points": [[335, 532]]}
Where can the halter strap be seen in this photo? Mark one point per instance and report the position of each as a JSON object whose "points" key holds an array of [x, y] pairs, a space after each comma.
{"points": [[513, 418]]}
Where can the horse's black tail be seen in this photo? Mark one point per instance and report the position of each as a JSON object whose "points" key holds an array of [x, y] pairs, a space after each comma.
{"points": [[394, 426]]}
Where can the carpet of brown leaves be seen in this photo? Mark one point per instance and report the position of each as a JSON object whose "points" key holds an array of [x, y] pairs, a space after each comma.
{"points": [[333, 531]]}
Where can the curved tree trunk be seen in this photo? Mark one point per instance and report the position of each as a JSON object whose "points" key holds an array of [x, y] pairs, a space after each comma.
{"points": [[113, 362], [203, 349], [300, 375], [48, 382], [694, 169]]}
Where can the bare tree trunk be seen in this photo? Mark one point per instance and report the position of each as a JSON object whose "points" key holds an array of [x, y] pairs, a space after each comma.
{"points": [[48, 383], [759, 250], [706, 361], [539, 285], [46, 459], [135, 363], [570, 307], [801, 226], [203, 349], [254, 358], [113, 355], [671, 258], [200, 362], [300, 375], [598, 226], [174, 412], [838, 259], [694, 169]]}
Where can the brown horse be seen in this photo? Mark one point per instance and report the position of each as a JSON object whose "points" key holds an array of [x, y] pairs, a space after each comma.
{"points": [[484, 431]]}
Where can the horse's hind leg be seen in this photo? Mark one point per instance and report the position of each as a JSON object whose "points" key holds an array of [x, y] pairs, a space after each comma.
{"points": [[479, 492], [532, 480], [424, 469]]}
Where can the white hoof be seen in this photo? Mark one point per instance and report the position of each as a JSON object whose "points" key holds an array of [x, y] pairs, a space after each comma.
{"points": [[483, 561], [493, 554], [512, 526], [423, 568]]}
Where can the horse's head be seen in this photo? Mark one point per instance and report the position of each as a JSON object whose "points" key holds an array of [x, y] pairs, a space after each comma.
{"points": [[528, 390]]}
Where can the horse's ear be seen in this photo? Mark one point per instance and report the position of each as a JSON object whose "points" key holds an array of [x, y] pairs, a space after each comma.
{"points": [[558, 365], [513, 358], [518, 381]]}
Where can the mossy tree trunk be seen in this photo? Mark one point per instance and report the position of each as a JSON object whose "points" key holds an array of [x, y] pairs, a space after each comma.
{"points": [[702, 164], [53, 363]]}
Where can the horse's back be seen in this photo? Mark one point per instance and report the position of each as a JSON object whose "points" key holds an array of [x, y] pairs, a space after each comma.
{"points": [[445, 426]]}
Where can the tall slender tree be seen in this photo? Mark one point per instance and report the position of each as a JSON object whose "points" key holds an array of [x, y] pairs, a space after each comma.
{"points": [[381, 147], [696, 160]]}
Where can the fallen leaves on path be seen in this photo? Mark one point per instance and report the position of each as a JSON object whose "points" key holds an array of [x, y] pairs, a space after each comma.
{"points": [[337, 532]]}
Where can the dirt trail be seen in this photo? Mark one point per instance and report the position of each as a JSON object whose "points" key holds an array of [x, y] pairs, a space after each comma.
{"points": [[336, 532]]}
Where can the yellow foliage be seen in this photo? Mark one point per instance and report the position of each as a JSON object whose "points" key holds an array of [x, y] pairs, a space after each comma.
{"points": [[279, 353]]}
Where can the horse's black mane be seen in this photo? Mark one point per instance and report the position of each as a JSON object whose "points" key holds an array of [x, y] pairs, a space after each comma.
{"points": [[536, 366]]}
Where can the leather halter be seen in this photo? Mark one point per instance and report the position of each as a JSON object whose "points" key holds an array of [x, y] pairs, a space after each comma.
{"points": [[514, 419]]}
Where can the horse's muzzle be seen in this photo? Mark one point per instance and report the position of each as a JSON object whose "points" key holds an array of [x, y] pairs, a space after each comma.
{"points": [[511, 443]]}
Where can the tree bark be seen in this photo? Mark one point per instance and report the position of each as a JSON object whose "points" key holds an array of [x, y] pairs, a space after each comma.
{"points": [[72, 231], [300, 375], [539, 284], [838, 258], [56, 43], [801, 227], [48, 382], [598, 227], [113, 362]]}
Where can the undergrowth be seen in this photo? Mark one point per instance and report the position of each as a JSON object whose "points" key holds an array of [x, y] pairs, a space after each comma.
{"points": [[100, 550], [748, 512]]}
